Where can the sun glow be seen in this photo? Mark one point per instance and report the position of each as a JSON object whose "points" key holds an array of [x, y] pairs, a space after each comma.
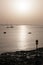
{"points": [[21, 6]]}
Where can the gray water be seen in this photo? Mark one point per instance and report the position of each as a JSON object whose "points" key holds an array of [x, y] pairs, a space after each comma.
{"points": [[21, 37]]}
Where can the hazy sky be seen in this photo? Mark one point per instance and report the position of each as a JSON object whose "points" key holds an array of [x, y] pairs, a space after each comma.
{"points": [[21, 11]]}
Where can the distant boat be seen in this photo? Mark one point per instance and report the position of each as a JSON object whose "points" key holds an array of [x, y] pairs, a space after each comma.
{"points": [[29, 33], [10, 26], [4, 32]]}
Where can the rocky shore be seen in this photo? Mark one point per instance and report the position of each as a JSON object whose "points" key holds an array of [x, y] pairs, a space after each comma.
{"points": [[22, 58]]}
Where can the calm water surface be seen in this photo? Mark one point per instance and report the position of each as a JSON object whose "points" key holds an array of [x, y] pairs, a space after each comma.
{"points": [[21, 37]]}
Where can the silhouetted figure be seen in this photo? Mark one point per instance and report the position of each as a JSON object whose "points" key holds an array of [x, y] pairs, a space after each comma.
{"points": [[37, 58], [36, 44], [37, 47]]}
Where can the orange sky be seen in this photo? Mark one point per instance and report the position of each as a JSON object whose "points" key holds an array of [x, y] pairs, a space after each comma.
{"points": [[21, 11]]}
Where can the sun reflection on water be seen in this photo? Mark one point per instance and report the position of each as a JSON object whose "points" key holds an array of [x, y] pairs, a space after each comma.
{"points": [[22, 36]]}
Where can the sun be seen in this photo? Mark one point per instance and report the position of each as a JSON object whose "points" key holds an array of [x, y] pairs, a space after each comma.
{"points": [[21, 6]]}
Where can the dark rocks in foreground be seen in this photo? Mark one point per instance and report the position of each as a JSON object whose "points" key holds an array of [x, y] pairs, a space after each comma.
{"points": [[22, 58]]}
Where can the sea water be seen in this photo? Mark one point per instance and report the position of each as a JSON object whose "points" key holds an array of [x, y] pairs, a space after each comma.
{"points": [[20, 37]]}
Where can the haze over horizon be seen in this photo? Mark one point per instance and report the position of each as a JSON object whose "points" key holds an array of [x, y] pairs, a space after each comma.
{"points": [[21, 12]]}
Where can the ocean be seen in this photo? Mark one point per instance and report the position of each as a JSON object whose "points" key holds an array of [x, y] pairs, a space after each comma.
{"points": [[20, 37]]}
